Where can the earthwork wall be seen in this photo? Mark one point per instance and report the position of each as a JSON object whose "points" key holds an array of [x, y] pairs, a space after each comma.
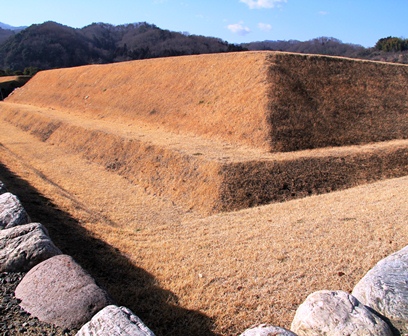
{"points": [[272, 101]]}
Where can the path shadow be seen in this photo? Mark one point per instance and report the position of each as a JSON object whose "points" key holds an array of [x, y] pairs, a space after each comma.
{"points": [[127, 284]]}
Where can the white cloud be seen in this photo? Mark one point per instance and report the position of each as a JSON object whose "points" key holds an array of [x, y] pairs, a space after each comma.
{"points": [[264, 26], [257, 4], [239, 28], [323, 13]]}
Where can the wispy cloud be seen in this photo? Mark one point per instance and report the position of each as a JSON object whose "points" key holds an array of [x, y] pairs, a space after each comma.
{"points": [[239, 28], [323, 13], [257, 4], [264, 26]]}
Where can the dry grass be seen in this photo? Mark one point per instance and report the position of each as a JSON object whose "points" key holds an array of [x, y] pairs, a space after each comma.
{"points": [[125, 177], [210, 176], [4, 79], [327, 101], [222, 96], [236, 268], [272, 101]]}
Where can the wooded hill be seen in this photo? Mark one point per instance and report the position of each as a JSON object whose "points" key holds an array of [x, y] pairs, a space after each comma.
{"points": [[6, 31], [5, 34], [388, 49], [52, 45]]}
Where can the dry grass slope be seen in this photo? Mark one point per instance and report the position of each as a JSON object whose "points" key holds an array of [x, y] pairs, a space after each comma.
{"points": [[207, 176], [139, 154], [326, 101], [272, 101], [216, 96], [238, 269]]}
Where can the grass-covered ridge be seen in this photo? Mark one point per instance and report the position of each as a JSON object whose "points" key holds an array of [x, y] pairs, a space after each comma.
{"points": [[272, 101], [143, 162]]}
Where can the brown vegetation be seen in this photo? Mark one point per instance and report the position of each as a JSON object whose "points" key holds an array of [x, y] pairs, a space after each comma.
{"points": [[218, 96], [325, 101], [210, 176], [236, 269], [8, 79], [133, 161], [267, 100]]}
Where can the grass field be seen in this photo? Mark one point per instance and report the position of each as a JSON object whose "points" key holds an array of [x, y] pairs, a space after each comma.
{"points": [[145, 206]]}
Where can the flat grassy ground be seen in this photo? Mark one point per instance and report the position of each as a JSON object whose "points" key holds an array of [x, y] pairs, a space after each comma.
{"points": [[184, 273]]}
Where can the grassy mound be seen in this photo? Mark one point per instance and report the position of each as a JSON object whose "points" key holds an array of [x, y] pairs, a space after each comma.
{"points": [[134, 156], [325, 101], [187, 275], [267, 100], [210, 177]]}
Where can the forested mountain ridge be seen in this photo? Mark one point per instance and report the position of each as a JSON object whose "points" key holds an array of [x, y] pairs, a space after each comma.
{"points": [[52, 45], [8, 27], [5, 34], [388, 49], [6, 31]]}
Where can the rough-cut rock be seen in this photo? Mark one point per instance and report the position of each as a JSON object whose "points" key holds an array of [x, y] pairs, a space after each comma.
{"points": [[12, 212], [22, 247], [385, 289], [3, 188], [333, 313], [115, 321], [14, 320], [267, 330], [60, 292]]}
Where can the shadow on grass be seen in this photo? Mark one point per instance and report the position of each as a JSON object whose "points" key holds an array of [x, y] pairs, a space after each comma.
{"points": [[127, 284]]}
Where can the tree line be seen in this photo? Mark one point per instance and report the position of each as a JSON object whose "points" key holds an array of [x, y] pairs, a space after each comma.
{"points": [[392, 44], [389, 49], [51, 45]]}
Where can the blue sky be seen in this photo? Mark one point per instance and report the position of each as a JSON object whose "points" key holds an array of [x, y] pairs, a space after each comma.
{"points": [[358, 21]]}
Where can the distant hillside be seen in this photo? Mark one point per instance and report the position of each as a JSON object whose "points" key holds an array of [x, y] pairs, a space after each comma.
{"points": [[322, 45], [6, 31], [334, 47], [5, 34], [52, 45], [8, 27]]}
